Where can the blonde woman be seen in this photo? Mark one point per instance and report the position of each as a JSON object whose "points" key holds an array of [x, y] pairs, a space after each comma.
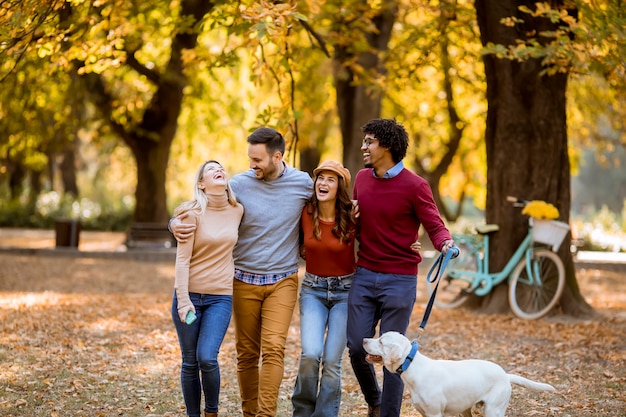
{"points": [[202, 302]]}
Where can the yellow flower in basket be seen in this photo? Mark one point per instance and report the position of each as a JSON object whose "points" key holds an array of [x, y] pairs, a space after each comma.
{"points": [[541, 210]]}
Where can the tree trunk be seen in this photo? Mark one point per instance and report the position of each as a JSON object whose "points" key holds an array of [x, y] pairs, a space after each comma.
{"points": [[309, 159], [150, 194], [17, 174], [68, 168], [76, 100], [526, 142], [357, 103], [35, 187], [151, 145]]}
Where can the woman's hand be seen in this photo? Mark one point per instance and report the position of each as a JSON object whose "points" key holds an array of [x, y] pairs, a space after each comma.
{"points": [[184, 310]]}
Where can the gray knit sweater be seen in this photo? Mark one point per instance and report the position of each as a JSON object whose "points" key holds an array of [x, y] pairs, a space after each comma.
{"points": [[269, 229]]}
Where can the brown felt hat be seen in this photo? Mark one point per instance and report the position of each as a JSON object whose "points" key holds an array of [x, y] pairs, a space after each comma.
{"points": [[335, 167]]}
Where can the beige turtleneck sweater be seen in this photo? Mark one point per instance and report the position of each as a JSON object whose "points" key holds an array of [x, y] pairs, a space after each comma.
{"points": [[204, 263]]}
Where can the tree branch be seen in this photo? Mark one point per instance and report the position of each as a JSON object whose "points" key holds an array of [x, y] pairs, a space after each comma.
{"points": [[103, 102], [316, 36], [132, 62]]}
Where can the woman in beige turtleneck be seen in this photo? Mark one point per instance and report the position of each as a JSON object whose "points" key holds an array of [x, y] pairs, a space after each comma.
{"points": [[204, 285]]}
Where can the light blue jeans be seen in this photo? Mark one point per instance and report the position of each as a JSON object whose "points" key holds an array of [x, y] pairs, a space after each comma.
{"points": [[199, 345], [323, 312]]}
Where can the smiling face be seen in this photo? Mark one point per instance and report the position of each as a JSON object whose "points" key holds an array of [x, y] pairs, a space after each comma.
{"points": [[213, 178], [374, 155], [326, 186], [265, 166]]}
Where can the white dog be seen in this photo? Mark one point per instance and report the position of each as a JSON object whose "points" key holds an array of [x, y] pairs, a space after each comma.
{"points": [[448, 388]]}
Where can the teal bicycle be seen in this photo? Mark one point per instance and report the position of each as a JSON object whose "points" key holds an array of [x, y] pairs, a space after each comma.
{"points": [[536, 275]]}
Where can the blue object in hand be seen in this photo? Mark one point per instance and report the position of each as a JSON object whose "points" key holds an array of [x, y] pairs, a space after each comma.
{"points": [[191, 317]]}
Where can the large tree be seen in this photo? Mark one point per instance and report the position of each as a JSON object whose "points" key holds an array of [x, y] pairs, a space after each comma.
{"points": [[526, 137], [150, 134], [359, 63], [127, 59]]}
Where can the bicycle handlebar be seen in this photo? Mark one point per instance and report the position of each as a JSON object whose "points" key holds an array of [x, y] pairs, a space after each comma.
{"points": [[517, 202]]}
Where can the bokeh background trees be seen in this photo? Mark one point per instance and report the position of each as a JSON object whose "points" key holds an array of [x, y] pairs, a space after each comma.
{"points": [[107, 107]]}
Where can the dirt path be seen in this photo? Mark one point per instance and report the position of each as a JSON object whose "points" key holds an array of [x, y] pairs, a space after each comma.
{"points": [[84, 336]]}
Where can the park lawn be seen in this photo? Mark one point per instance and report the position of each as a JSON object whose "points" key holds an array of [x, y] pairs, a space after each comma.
{"points": [[93, 337]]}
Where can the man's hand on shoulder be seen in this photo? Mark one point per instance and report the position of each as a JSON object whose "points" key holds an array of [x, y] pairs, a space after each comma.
{"points": [[355, 209], [182, 231]]}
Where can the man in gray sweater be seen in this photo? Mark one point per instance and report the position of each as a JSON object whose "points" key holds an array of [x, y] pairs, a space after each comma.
{"points": [[265, 289]]}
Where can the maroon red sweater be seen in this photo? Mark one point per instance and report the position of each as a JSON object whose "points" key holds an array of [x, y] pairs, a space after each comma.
{"points": [[391, 212]]}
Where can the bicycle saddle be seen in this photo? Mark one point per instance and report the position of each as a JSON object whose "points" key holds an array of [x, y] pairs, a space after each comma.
{"points": [[484, 229]]}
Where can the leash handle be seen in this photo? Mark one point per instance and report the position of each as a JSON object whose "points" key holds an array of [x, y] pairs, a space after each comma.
{"points": [[440, 264]]}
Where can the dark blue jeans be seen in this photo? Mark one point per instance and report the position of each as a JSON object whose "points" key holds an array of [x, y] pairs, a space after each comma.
{"points": [[386, 298], [200, 344]]}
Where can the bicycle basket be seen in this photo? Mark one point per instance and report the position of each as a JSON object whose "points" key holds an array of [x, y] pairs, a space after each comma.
{"points": [[550, 232]]}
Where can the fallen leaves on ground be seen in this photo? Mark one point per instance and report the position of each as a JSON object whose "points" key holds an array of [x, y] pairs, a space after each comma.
{"points": [[93, 337]]}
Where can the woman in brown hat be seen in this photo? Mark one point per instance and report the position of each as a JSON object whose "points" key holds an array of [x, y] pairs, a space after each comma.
{"points": [[328, 229]]}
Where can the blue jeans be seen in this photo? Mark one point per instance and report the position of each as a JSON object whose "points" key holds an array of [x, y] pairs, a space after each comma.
{"points": [[200, 344], [323, 312], [374, 297]]}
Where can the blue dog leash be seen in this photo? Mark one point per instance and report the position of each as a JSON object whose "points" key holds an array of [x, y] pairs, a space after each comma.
{"points": [[440, 264]]}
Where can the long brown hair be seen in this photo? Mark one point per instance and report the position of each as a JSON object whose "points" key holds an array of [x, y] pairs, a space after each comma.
{"points": [[345, 226]]}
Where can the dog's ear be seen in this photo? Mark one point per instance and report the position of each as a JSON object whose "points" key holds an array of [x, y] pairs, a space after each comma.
{"points": [[392, 358]]}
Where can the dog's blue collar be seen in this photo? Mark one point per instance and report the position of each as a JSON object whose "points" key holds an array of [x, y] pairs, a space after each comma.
{"points": [[407, 362]]}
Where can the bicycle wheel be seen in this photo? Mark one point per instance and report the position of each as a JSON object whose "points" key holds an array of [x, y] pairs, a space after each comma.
{"points": [[454, 292], [532, 297]]}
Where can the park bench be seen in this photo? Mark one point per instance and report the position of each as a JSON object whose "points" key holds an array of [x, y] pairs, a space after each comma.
{"points": [[149, 235]]}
